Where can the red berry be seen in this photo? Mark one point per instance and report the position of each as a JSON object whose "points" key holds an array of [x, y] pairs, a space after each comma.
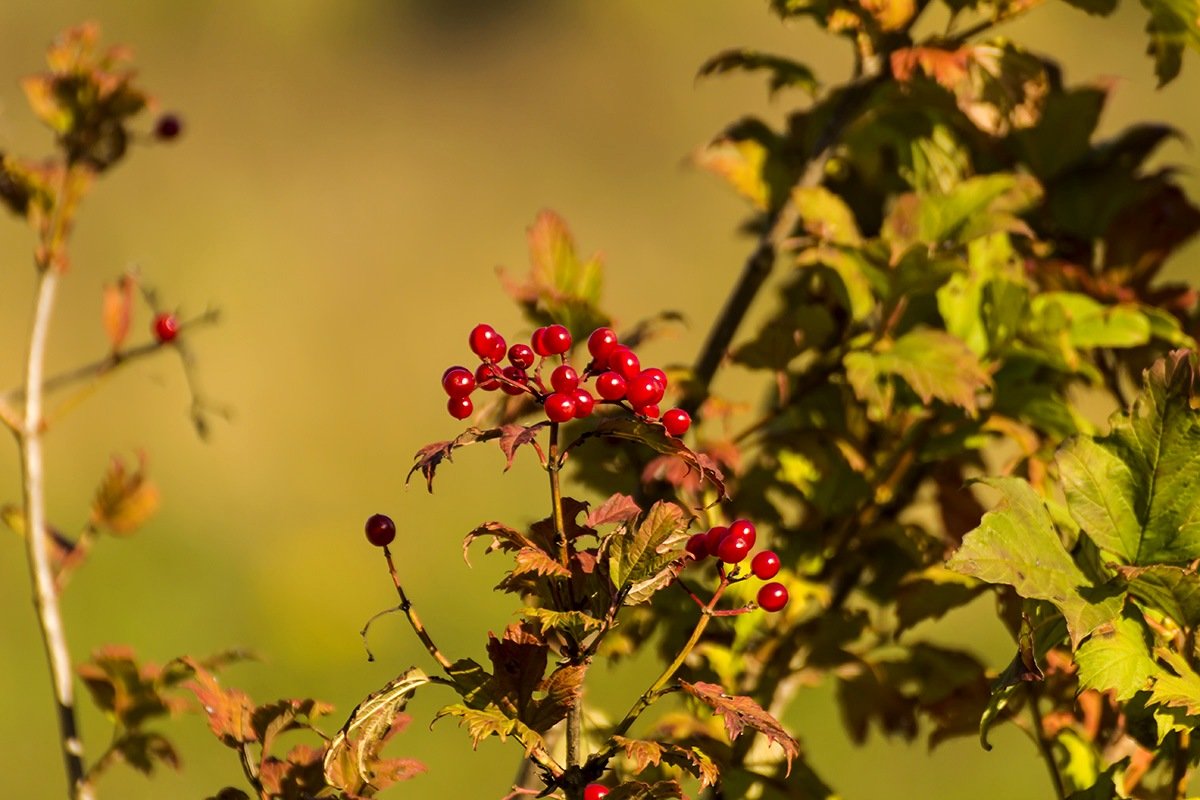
{"points": [[560, 407], [584, 403], [765, 565], [601, 343], [380, 530], [564, 379], [733, 549], [658, 375], [483, 340], [595, 791], [558, 339], [499, 348], [538, 340], [642, 390], [714, 536], [677, 421], [515, 375], [486, 377], [458, 381], [521, 355], [166, 327], [624, 362], [610, 386], [772, 597], [745, 529], [168, 127], [697, 545], [460, 407], [649, 412]]}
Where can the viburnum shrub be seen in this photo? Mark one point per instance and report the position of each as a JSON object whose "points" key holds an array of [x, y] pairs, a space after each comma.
{"points": [[961, 272]]}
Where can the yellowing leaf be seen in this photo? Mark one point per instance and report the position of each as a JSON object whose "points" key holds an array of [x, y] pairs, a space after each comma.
{"points": [[124, 499]]}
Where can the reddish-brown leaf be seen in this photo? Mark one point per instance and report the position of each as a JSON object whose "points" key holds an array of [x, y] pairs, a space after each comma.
{"points": [[618, 508], [539, 562], [117, 310], [125, 498], [503, 538], [740, 712], [513, 436], [430, 456], [229, 711]]}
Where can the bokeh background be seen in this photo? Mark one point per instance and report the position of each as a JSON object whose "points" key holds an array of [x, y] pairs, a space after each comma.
{"points": [[351, 175]]}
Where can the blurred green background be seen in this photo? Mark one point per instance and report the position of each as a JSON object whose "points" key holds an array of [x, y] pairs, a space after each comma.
{"points": [[351, 174]]}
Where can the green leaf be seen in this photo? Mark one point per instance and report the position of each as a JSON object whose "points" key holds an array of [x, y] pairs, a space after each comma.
{"points": [[1175, 591], [749, 156], [642, 553], [976, 207], [932, 593], [1134, 491], [1116, 658], [1181, 690], [784, 73], [1173, 26], [826, 216], [1017, 544], [935, 365], [1105, 787], [352, 758]]}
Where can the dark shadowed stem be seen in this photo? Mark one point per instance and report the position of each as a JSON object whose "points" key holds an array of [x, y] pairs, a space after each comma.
{"points": [[45, 595], [1043, 744]]}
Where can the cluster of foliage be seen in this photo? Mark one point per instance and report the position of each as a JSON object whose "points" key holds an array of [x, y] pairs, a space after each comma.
{"points": [[965, 261]]}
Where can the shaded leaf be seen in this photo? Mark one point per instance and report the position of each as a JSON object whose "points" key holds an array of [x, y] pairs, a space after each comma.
{"points": [[739, 713], [634, 790], [784, 73], [634, 555], [617, 508], [1134, 492], [431, 455], [129, 691], [143, 749], [1173, 26], [1175, 591], [1017, 544], [513, 436], [931, 593], [654, 436], [352, 760]]}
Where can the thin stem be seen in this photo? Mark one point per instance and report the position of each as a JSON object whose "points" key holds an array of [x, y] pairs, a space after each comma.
{"points": [[1179, 768], [1043, 744], [45, 596], [413, 619]]}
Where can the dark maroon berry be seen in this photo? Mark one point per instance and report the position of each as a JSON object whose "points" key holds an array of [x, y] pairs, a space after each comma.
{"points": [[595, 791], [168, 127], [643, 390], [610, 386], [697, 545], [676, 421], [486, 377], [745, 529], [564, 379], [601, 343], [560, 407], [584, 403], [772, 597], [521, 355], [557, 339], [166, 327], [538, 340], [733, 549], [483, 340], [515, 375], [380, 530], [460, 407], [624, 362], [714, 536], [765, 565], [458, 381]]}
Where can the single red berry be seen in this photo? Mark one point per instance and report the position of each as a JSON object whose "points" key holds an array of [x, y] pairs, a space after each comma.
{"points": [[772, 597], [714, 536], [538, 340], [564, 379], [744, 528], [499, 348], [515, 375], [558, 339], [677, 421], [649, 412], [595, 791], [610, 386], [765, 565], [380, 530], [521, 355], [601, 343], [460, 407], [486, 377], [560, 407], [697, 545], [481, 338], [168, 127], [733, 549], [642, 390], [458, 381], [658, 375], [624, 362], [584, 403], [166, 327]]}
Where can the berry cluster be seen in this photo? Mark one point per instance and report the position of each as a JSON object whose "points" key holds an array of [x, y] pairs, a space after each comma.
{"points": [[617, 373], [731, 545]]}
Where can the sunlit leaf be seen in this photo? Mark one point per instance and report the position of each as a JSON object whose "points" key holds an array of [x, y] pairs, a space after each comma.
{"points": [[740, 713], [1116, 657], [125, 499], [934, 364]]}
